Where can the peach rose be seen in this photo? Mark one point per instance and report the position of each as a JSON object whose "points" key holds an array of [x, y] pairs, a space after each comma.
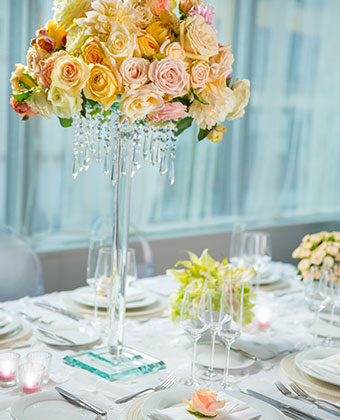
{"points": [[199, 72], [174, 50], [241, 89], [93, 52], [318, 257], [44, 43], [328, 262], [22, 109], [160, 31], [148, 46], [134, 72], [33, 58], [170, 77], [198, 39], [46, 68], [144, 16], [216, 134], [138, 103], [103, 85], [204, 401], [222, 63], [170, 111], [187, 5], [120, 43], [304, 265], [158, 6], [70, 74]]}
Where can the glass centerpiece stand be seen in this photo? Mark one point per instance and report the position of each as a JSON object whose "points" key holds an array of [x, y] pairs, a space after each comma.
{"points": [[121, 148]]}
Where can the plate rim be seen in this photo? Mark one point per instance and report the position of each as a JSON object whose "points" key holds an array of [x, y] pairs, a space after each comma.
{"points": [[250, 363], [57, 328]]}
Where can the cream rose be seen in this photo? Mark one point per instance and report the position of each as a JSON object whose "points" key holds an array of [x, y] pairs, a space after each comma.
{"points": [[138, 103], [39, 103], [170, 77], [75, 39], [66, 11], [328, 262], [135, 72], [144, 16], [174, 50], [103, 85], [241, 89], [198, 39], [318, 257], [304, 265], [332, 250], [34, 58], [63, 104], [222, 63], [70, 74], [120, 43], [199, 74]]}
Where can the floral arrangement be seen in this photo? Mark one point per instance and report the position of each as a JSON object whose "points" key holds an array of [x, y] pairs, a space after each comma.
{"points": [[137, 55], [319, 250], [204, 403], [205, 271]]}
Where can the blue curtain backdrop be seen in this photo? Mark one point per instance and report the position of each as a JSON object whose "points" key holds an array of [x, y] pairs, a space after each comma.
{"points": [[279, 164]]}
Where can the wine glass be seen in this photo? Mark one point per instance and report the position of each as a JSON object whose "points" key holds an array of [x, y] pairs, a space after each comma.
{"points": [[103, 276], [131, 266], [317, 293], [232, 305], [194, 322], [235, 244], [334, 296]]}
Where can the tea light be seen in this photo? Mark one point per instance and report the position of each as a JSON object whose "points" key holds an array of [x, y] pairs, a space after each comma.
{"points": [[44, 358], [8, 368], [30, 377], [264, 315]]}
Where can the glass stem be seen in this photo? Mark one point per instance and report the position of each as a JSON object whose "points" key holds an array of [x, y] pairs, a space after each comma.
{"points": [[316, 319], [226, 364], [95, 305], [213, 341], [329, 338], [193, 359]]}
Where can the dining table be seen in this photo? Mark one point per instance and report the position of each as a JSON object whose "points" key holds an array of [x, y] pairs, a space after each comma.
{"points": [[287, 329]]}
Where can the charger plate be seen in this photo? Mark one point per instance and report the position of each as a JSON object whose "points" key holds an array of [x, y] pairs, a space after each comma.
{"points": [[23, 332], [309, 384]]}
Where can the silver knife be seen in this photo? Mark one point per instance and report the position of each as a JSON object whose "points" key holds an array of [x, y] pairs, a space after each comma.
{"points": [[56, 337], [82, 403], [285, 408], [58, 310]]}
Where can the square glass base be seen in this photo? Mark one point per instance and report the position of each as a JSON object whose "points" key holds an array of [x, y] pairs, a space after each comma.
{"points": [[102, 363]]}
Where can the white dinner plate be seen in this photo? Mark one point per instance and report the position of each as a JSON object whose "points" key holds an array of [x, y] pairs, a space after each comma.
{"points": [[5, 318], [10, 328], [237, 359], [325, 329], [314, 354], [81, 335], [263, 281], [173, 397], [48, 405]]}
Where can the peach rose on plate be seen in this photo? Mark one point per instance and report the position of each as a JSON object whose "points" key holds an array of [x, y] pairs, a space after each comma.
{"points": [[70, 74], [138, 103], [170, 111], [135, 72], [204, 402], [147, 45], [23, 109], [103, 85], [241, 89], [93, 52], [199, 74], [46, 67], [63, 104], [198, 39], [170, 77]]}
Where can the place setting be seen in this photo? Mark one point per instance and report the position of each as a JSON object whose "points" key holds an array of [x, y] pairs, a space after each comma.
{"points": [[13, 329]]}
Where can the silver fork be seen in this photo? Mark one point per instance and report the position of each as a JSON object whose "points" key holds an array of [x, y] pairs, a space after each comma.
{"points": [[165, 384], [319, 402]]}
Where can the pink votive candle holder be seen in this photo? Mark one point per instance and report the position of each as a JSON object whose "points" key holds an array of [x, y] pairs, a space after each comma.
{"points": [[44, 358], [31, 375], [9, 362]]}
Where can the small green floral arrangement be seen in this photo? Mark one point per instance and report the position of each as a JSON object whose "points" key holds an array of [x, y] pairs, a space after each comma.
{"points": [[204, 270]]}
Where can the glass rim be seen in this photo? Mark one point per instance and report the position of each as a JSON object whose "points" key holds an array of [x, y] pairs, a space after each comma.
{"points": [[10, 355]]}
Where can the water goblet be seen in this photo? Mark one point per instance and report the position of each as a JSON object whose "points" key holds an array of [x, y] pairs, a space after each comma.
{"points": [[194, 322]]}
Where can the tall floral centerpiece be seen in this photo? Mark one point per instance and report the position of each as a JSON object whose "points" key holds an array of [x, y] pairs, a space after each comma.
{"points": [[130, 76]]}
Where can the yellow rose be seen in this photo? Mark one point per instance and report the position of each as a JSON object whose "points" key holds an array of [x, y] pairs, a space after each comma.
{"points": [[216, 134], [70, 74], [17, 78], [198, 39], [93, 52], [147, 45], [38, 102], [63, 104], [241, 89], [103, 85], [187, 5], [160, 31], [58, 33]]}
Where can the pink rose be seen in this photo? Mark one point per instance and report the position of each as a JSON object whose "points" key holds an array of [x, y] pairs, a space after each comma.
{"points": [[170, 111], [22, 109], [207, 12], [170, 77], [134, 72], [222, 62], [46, 43], [204, 401], [46, 68]]}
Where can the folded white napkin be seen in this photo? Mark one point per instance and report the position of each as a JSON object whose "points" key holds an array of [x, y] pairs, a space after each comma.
{"points": [[330, 366], [233, 410]]}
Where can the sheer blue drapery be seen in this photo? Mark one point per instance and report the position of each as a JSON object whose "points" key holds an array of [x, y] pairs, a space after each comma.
{"points": [[279, 164]]}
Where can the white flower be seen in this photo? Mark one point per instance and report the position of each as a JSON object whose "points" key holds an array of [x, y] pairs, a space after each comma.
{"points": [[318, 257], [64, 105], [332, 250], [328, 262], [241, 89], [304, 265], [120, 43], [39, 103], [75, 39], [67, 10]]}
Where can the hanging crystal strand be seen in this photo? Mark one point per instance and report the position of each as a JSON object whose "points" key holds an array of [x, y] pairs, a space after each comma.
{"points": [[147, 138], [163, 151], [153, 146], [137, 138], [99, 137], [75, 168], [81, 141], [107, 146], [115, 139], [172, 156], [124, 136]]}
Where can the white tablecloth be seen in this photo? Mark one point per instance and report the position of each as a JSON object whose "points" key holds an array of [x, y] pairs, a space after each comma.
{"points": [[166, 341]]}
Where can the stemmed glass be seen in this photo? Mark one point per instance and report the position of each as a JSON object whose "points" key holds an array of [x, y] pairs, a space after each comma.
{"points": [[231, 304], [131, 266], [317, 293], [236, 243], [334, 296], [194, 322]]}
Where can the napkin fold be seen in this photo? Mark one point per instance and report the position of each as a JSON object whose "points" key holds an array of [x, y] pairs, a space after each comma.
{"points": [[329, 367]]}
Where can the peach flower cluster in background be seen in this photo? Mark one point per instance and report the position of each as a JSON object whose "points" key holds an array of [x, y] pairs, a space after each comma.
{"points": [[157, 65], [319, 250]]}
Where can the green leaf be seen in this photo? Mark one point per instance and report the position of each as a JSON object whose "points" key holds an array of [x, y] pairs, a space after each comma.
{"points": [[21, 97], [183, 124], [66, 122], [228, 82], [147, 57], [25, 118], [204, 133], [183, 15], [198, 98], [107, 113], [185, 100], [200, 415], [24, 85], [30, 78]]}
